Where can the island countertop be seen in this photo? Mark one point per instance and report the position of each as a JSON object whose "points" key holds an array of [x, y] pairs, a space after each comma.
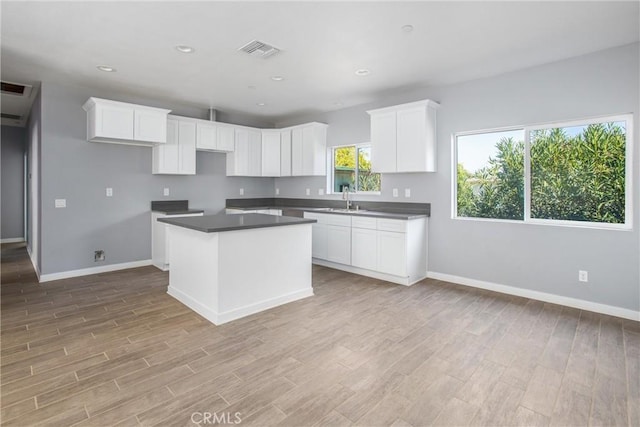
{"points": [[220, 223]]}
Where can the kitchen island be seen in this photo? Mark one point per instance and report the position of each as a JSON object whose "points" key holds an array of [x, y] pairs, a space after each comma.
{"points": [[225, 267]]}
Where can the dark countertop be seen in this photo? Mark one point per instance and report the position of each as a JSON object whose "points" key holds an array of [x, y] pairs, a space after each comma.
{"points": [[220, 223], [173, 207], [178, 211], [369, 213]]}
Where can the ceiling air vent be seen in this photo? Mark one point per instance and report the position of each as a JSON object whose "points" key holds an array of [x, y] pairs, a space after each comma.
{"points": [[259, 49], [10, 116], [15, 89]]}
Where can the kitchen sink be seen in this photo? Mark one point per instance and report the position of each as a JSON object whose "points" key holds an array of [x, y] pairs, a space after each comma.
{"points": [[352, 211]]}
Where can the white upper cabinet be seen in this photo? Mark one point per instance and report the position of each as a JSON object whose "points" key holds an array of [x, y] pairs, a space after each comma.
{"points": [[246, 159], [270, 152], [178, 155], [403, 138], [214, 136], [124, 123], [309, 149], [285, 152]]}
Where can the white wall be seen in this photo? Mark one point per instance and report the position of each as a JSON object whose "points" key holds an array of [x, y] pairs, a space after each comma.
{"points": [[531, 257]]}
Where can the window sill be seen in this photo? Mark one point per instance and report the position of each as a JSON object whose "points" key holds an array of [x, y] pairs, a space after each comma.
{"points": [[552, 223]]}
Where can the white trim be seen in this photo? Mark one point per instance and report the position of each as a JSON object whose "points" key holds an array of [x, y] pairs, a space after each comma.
{"points": [[539, 296], [93, 270], [369, 273], [227, 316], [12, 240], [33, 262]]}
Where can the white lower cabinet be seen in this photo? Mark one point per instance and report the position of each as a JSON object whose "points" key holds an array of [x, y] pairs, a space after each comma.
{"points": [[160, 239], [364, 248], [390, 249]]}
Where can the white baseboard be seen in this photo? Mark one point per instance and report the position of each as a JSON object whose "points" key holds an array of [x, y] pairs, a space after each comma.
{"points": [[93, 270], [33, 262], [12, 240], [227, 316], [540, 296]]}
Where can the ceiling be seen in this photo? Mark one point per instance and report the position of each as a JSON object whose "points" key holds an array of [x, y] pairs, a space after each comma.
{"points": [[322, 45]]}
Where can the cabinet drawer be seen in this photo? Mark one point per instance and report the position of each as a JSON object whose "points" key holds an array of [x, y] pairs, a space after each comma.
{"points": [[342, 220], [363, 222], [397, 225]]}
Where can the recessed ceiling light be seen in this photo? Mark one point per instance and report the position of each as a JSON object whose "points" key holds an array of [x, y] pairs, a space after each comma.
{"points": [[261, 104], [407, 28], [277, 78], [185, 49], [106, 69], [362, 72]]}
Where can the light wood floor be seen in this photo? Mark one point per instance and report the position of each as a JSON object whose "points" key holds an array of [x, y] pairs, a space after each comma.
{"points": [[116, 349]]}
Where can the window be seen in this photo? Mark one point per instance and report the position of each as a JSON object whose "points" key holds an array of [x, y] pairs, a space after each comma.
{"points": [[352, 170], [570, 173]]}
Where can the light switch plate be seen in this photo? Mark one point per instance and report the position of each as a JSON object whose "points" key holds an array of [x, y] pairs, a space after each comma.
{"points": [[242, 191], [308, 191], [61, 203], [320, 191], [395, 192], [407, 192], [166, 192], [109, 192], [277, 191]]}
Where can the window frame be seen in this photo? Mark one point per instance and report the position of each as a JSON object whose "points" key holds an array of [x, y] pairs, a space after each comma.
{"points": [[331, 175], [527, 129]]}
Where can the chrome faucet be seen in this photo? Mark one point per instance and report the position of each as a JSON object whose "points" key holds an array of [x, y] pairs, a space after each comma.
{"points": [[345, 196]]}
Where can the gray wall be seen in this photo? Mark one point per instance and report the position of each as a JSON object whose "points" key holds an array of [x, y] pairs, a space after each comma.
{"points": [[535, 257], [80, 172], [12, 154]]}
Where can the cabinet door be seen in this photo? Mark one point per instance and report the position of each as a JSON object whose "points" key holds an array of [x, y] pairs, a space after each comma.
{"points": [[255, 152], [238, 161], [150, 125], [206, 136], [285, 153], [225, 138], [319, 241], [383, 142], [270, 153], [165, 156], [411, 140], [392, 257], [307, 151], [339, 244], [364, 247], [187, 148], [296, 152], [114, 121]]}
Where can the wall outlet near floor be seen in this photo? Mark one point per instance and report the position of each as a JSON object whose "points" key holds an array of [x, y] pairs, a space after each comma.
{"points": [[320, 191], [166, 192], [109, 192], [277, 191], [61, 203], [583, 276], [98, 255], [407, 192], [395, 192], [242, 191], [308, 191]]}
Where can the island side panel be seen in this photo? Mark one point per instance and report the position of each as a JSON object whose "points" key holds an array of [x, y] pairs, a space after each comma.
{"points": [[263, 268], [194, 275]]}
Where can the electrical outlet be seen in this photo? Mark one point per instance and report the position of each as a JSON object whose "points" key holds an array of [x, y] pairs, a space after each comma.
{"points": [[166, 192], [242, 191], [61, 203], [583, 276], [109, 192], [277, 191], [320, 191], [395, 192], [407, 192], [98, 255], [308, 191]]}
